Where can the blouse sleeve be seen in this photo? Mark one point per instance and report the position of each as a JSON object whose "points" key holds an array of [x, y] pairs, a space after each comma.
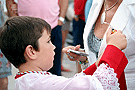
{"points": [[114, 57], [111, 65], [107, 77]]}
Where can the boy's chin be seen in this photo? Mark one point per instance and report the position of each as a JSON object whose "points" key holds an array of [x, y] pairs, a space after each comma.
{"points": [[50, 67]]}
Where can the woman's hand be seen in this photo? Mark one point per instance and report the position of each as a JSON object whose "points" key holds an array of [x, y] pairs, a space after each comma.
{"points": [[117, 39]]}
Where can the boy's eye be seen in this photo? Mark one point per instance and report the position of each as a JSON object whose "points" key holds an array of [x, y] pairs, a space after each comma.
{"points": [[49, 41]]}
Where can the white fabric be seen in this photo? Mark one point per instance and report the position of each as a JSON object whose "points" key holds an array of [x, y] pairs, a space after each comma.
{"points": [[107, 77], [123, 19], [35, 81]]}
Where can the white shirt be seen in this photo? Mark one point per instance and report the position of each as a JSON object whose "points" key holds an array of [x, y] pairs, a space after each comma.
{"points": [[103, 77]]}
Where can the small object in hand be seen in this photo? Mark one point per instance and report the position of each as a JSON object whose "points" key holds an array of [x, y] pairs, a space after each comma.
{"points": [[78, 53], [113, 31]]}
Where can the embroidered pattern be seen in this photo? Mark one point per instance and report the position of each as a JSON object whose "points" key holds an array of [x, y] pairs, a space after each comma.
{"points": [[107, 77], [94, 43], [39, 72]]}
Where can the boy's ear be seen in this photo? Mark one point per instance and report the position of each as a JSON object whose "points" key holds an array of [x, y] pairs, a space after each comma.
{"points": [[30, 53]]}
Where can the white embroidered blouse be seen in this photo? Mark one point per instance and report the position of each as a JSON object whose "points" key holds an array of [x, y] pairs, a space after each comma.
{"points": [[103, 78]]}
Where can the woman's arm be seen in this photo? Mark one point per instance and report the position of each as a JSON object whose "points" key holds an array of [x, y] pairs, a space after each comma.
{"points": [[63, 4], [11, 8]]}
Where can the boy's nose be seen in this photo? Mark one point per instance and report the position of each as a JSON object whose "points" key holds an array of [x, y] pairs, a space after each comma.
{"points": [[53, 47]]}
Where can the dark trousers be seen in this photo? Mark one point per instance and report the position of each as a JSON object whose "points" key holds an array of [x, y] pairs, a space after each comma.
{"points": [[78, 28], [56, 38]]}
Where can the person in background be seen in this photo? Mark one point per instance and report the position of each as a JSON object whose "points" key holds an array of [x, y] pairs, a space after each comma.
{"points": [[65, 30], [53, 11], [87, 8], [5, 67], [36, 54], [79, 24]]}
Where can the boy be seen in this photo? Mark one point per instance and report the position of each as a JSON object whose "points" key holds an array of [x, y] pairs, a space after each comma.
{"points": [[25, 41]]}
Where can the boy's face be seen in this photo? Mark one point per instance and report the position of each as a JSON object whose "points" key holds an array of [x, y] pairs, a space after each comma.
{"points": [[45, 55]]}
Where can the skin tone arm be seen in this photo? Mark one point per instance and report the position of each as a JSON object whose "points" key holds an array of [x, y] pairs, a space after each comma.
{"points": [[63, 9], [117, 39], [11, 8]]}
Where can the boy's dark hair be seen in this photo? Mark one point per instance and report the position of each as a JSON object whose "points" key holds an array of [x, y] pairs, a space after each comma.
{"points": [[19, 32]]}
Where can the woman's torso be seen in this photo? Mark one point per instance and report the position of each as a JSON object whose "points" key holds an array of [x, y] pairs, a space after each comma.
{"points": [[123, 20], [98, 30]]}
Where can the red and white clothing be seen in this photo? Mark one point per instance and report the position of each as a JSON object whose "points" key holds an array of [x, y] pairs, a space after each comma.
{"points": [[104, 77]]}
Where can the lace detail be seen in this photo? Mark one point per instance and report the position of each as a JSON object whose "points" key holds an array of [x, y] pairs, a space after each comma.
{"points": [[94, 42], [107, 77]]}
